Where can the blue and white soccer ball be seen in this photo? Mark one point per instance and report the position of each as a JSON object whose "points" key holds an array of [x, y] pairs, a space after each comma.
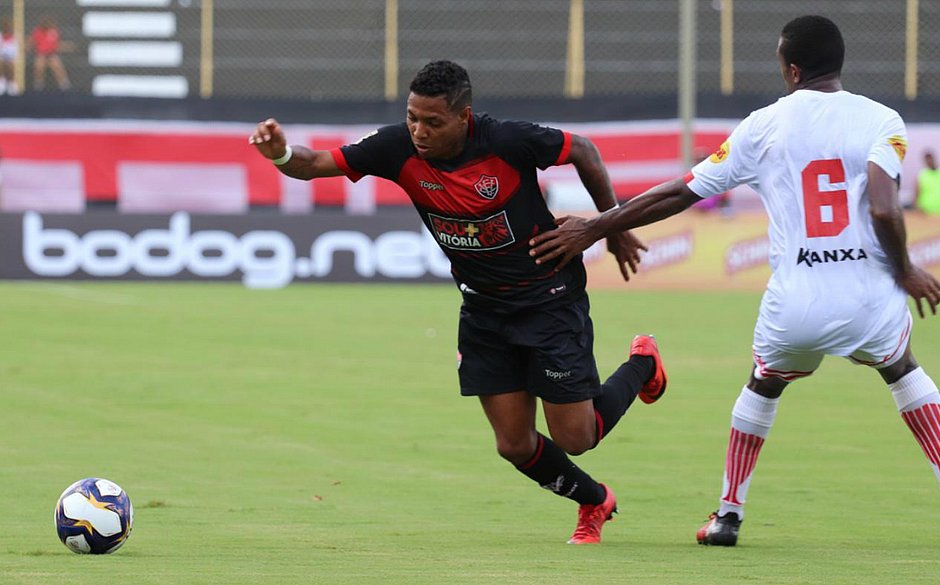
{"points": [[94, 516]]}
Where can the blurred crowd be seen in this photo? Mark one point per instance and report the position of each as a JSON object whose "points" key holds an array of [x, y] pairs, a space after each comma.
{"points": [[44, 46]]}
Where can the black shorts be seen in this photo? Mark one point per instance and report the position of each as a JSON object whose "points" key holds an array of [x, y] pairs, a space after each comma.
{"points": [[546, 351]]}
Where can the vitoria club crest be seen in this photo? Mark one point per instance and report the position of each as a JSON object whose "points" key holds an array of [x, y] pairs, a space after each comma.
{"points": [[487, 186]]}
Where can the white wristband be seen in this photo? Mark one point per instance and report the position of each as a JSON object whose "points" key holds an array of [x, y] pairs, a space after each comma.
{"points": [[283, 160]]}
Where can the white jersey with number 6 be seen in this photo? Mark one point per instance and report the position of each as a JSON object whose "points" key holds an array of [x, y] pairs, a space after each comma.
{"points": [[807, 156]]}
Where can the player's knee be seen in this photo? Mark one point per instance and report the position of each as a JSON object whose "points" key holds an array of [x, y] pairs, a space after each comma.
{"points": [[516, 451], [574, 443], [899, 369]]}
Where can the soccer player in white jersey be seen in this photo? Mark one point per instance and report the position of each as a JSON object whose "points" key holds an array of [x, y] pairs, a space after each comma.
{"points": [[826, 164]]}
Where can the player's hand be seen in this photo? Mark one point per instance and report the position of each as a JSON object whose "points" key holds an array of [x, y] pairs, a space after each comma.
{"points": [[626, 249], [572, 237], [269, 139], [922, 286]]}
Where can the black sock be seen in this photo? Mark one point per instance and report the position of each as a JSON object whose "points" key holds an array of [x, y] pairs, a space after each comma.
{"points": [[620, 391], [551, 468]]}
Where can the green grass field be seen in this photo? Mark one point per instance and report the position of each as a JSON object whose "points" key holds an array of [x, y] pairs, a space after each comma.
{"points": [[316, 435]]}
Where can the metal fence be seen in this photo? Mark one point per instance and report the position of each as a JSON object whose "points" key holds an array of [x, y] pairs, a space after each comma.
{"points": [[369, 49]]}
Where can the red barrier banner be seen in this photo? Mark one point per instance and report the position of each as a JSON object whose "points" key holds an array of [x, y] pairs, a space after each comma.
{"points": [[61, 166]]}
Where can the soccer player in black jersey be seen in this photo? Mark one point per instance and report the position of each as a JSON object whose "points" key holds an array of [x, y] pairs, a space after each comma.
{"points": [[524, 332]]}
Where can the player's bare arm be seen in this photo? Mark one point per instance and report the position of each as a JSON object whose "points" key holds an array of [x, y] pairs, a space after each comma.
{"points": [[303, 163], [587, 160], [576, 234], [888, 222]]}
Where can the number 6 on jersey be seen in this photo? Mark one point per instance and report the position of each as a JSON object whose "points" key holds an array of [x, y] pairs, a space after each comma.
{"points": [[826, 212]]}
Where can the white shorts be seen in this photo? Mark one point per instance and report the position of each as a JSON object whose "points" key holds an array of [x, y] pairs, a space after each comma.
{"points": [[882, 349]]}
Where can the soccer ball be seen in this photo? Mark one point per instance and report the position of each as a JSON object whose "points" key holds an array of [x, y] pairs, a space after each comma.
{"points": [[93, 516]]}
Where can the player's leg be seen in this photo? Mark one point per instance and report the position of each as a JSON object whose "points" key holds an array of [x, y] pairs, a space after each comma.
{"points": [[39, 72], [571, 426], [918, 401], [561, 371], [641, 375], [512, 417], [58, 70], [12, 87], [10, 73], [914, 392], [496, 370], [752, 417]]}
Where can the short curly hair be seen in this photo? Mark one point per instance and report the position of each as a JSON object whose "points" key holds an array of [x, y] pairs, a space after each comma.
{"points": [[814, 44], [446, 79]]}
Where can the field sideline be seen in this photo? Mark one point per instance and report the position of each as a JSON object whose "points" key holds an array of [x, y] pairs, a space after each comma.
{"points": [[315, 434]]}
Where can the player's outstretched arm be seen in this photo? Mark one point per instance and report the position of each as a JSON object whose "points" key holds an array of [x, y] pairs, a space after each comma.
{"points": [[303, 163], [576, 234], [887, 220], [624, 245]]}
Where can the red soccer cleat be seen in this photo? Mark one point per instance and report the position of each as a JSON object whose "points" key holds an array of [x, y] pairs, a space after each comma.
{"points": [[591, 519], [655, 387]]}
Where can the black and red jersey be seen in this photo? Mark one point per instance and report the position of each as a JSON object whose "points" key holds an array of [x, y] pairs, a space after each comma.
{"points": [[482, 207]]}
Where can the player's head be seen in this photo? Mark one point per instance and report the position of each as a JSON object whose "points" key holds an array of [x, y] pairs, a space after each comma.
{"points": [[439, 109], [810, 47], [930, 160]]}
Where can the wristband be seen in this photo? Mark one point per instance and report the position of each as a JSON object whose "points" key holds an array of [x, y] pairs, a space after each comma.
{"points": [[283, 160]]}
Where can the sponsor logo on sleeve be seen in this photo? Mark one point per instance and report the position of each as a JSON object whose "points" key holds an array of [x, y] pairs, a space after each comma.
{"points": [[487, 186], [472, 234], [899, 144], [722, 153]]}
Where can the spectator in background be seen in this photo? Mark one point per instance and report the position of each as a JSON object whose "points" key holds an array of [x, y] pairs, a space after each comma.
{"points": [[9, 51], [928, 186], [47, 43]]}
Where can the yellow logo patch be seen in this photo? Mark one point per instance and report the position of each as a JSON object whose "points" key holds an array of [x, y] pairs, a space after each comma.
{"points": [[899, 144], [722, 153]]}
